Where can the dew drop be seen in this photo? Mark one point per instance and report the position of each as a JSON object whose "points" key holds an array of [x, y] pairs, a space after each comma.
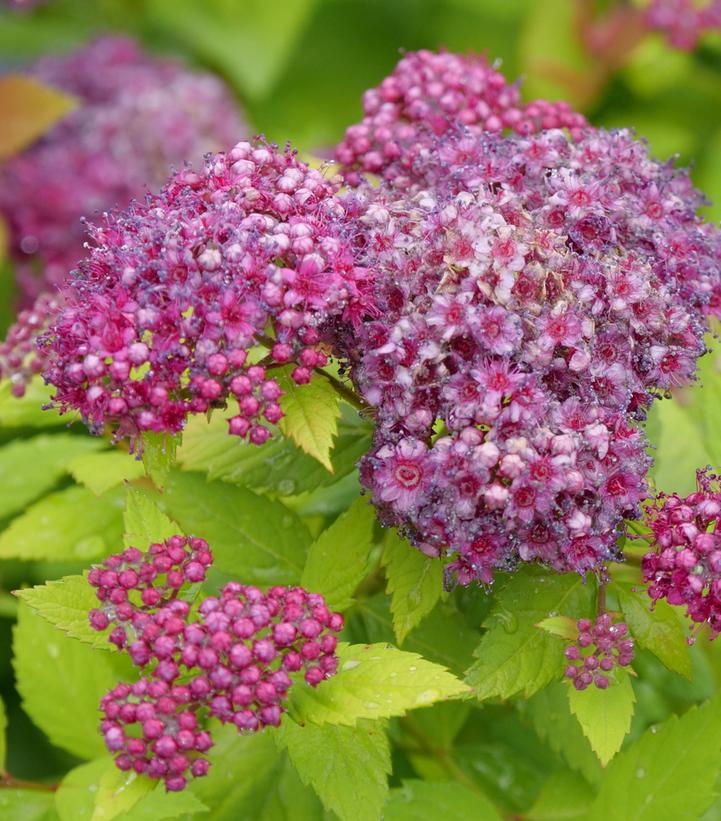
{"points": [[350, 664], [286, 487], [427, 697], [508, 621], [53, 651], [371, 705], [412, 668], [640, 772]]}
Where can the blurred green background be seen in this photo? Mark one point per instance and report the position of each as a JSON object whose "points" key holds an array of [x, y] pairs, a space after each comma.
{"points": [[300, 66]]}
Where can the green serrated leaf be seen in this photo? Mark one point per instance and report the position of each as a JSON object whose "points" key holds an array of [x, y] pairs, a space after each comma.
{"points": [[26, 805], [668, 774], [72, 524], [3, 728], [604, 715], [514, 656], [311, 416], [337, 559], [560, 626], [47, 661], [413, 581], [279, 467], [118, 791], [658, 630], [159, 451], [374, 681], [329, 758], [448, 800], [144, 522], [101, 471], [28, 411], [551, 716], [30, 467], [565, 795], [159, 804], [65, 604], [252, 537]]}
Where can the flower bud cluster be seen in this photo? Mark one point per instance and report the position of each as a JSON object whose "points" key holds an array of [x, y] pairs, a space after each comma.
{"points": [[161, 319], [234, 658], [684, 565], [136, 117], [684, 22], [601, 645], [20, 357], [427, 94]]}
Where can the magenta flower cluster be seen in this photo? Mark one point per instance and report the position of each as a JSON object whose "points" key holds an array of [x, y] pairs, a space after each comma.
{"points": [[20, 357], [429, 93], [232, 659], [684, 22], [162, 318], [684, 565], [535, 294], [137, 116], [601, 646], [507, 305]]}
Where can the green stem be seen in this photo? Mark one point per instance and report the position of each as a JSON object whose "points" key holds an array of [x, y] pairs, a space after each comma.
{"points": [[9, 783], [350, 396]]}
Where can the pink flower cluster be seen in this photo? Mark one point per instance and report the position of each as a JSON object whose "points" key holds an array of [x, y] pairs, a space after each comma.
{"points": [[600, 646], [137, 117], [684, 22], [534, 297], [684, 564], [429, 93], [161, 318], [232, 659], [20, 357]]}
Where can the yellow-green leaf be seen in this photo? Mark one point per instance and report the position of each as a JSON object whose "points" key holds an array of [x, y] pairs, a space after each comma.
{"points": [[27, 110]]}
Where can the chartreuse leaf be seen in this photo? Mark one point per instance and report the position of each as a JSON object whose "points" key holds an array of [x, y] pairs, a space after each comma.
{"points": [[253, 538], [337, 559], [565, 795], [68, 525], [144, 522], [658, 630], [30, 467], [604, 715], [311, 416], [65, 604], [27, 411], [99, 791], [329, 758], [447, 800], [560, 626], [27, 110], [551, 716], [101, 471], [374, 681], [516, 656], [48, 662], [159, 451], [413, 581], [279, 467], [26, 805], [3, 728], [669, 773]]}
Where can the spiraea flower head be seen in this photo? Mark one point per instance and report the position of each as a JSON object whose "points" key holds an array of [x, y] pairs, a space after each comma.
{"points": [[684, 563], [137, 117], [535, 295], [235, 657], [161, 320], [429, 93], [684, 22]]}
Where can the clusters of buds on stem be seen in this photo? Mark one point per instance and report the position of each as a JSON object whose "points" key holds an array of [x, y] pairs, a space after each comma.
{"points": [[234, 657]]}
